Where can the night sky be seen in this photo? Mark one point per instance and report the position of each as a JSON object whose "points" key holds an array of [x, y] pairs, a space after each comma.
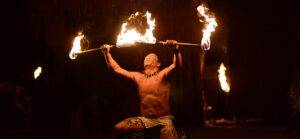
{"points": [[257, 40]]}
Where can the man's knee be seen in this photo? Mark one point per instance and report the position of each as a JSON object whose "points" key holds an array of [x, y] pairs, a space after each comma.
{"points": [[130, 124], [120, 127]]}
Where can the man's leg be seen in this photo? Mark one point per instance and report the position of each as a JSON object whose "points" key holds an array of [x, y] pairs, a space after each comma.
{"points": [[129, 125], [168, 132]]}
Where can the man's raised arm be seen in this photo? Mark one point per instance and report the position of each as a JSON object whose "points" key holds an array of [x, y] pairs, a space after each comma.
{"points": [[177, 59], [112, 64]]}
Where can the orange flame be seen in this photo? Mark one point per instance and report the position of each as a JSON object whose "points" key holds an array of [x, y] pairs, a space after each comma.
{"points": [[37, 72], [210, 25], [223, 79], [128, 37], [76, 46]]}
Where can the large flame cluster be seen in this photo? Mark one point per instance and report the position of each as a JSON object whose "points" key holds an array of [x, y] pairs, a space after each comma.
{"points": [[210, 25], [139, 28], [223, 79], [129, 36]]}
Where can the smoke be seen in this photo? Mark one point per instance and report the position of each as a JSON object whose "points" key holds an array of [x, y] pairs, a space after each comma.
{"points": [[137, 21]]}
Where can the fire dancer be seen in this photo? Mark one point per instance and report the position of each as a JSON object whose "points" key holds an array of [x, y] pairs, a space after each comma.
{"points": [[154, 92]]}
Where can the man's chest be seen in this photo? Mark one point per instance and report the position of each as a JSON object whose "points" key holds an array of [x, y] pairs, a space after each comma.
{"points": [[152, 85], [150, 82]]}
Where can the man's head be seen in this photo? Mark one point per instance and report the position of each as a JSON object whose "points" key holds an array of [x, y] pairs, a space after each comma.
{"points": [[151, 60]]}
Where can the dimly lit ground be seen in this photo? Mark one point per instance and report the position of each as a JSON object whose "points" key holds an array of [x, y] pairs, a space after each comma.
{"points": [[240, 132]]}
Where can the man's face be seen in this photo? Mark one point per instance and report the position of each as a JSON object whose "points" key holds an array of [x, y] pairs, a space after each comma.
{"points": [[151, 60]]}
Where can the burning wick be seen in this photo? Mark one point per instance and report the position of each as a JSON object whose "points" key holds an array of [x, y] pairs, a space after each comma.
{"points": [[37, 72], [210, 25], [129, 36], [76, 46], [223, 79]]}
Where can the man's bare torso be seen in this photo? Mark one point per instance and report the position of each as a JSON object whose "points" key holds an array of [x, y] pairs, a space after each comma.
{"points": [[154, 94]]}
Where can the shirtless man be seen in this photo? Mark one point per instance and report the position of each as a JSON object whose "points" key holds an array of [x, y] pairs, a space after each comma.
{"points": [[154, 92]]}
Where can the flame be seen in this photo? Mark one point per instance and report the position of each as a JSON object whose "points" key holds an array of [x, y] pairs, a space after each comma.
{"points": [[128, 37], [222, 78], [37, 72], [76, 46], [210, 25]]}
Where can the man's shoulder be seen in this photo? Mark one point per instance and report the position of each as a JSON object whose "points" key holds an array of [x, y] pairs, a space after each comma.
{"points": [[137, 74]]}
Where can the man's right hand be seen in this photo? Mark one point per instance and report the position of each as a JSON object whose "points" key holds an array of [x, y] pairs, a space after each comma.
{"points": [[105, 48], [173, 44]]}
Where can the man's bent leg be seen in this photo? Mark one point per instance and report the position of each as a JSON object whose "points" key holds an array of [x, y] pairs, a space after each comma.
{"points": [[168, 132], [129, 125]]}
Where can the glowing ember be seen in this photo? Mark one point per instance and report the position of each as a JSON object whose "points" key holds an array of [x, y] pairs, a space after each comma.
{"points": [[210, 25], [222, 78], [76, 46], [37, 72], [128, 36]]}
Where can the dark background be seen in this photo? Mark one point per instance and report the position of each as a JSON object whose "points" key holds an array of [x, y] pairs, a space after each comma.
{"points": [[257, 40]]}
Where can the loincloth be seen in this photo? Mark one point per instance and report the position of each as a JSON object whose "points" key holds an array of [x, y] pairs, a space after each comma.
{"points": [[168, 131], [160, 121]]}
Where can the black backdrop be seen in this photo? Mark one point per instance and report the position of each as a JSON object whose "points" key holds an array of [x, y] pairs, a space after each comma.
{"points": [[261, 40]]}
